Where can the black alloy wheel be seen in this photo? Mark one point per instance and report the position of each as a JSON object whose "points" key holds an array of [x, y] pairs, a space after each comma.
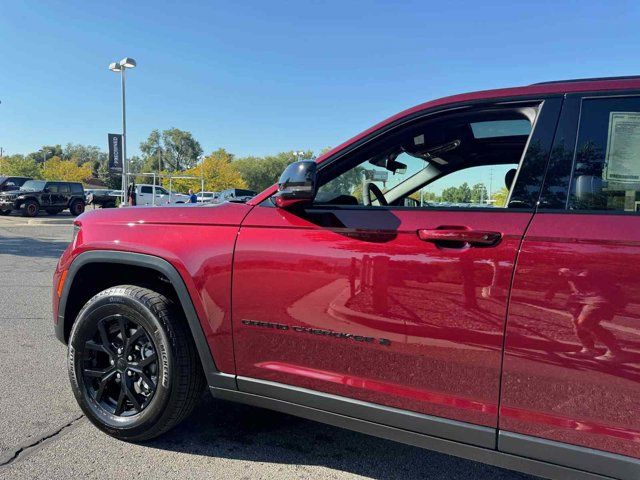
{"points": [[133, 365], [120, 366]]}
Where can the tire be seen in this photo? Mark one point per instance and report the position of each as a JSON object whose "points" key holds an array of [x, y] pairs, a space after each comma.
{"points": [[97, 355], [5, 212], [30, 208], [53, 211], [76, 207]]}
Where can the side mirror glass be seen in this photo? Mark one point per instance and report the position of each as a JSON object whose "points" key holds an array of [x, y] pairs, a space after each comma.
{"points": [[297, 184]]}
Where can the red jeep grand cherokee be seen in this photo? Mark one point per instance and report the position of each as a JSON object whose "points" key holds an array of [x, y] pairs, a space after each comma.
{"points": [[463, 277]]}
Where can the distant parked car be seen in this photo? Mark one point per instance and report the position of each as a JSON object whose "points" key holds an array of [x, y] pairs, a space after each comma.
{"points": [[145, 195], [100, 197], [207, 197], [35, 195], [236, 195], [12, 183]]}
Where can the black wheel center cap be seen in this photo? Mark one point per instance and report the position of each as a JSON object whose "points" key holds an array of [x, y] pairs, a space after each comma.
{"points": [[121, 364]]}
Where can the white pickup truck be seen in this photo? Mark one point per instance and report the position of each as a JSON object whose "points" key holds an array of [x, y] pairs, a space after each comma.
{"points": [[145, 195]]}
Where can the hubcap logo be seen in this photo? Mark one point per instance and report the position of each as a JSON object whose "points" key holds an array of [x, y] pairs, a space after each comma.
{"points": [[121, 364]]}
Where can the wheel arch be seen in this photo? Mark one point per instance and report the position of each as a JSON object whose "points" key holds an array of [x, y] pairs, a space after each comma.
{"points": [[19, 203], [115, 268]]}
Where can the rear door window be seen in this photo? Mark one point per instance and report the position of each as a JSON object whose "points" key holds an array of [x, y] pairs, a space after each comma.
{"points": [[606, 163]]}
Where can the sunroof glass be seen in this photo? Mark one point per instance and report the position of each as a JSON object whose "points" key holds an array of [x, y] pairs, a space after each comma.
{"points": [[500, 128]]}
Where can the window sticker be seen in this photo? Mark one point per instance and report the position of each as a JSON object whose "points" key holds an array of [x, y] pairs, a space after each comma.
{"points": [[622, 158]]}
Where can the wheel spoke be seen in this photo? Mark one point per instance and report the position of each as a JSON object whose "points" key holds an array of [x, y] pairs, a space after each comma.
{"points": [[121, 398], [103, 384], [145, 361], [89, 372], [133, 338], [150, 383], [104, 338], [123, 331], [91, 345], [131, 396]]}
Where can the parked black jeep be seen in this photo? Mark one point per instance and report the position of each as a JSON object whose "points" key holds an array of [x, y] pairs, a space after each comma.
{"points": [[53, 197], [11, 183]]}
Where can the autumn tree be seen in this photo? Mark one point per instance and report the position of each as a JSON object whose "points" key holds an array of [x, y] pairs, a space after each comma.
{"points": [[500, 197], [66, 170], [20, 166], [218, 171]]}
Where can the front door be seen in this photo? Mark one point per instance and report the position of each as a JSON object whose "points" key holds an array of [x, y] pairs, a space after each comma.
{"points": [[388, 304]]}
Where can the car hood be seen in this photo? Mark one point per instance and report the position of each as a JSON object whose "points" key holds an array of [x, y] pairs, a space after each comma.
{"points": [[204, 214]]}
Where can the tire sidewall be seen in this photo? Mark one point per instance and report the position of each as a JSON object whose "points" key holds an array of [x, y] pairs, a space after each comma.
{"points": [[97, 309]]}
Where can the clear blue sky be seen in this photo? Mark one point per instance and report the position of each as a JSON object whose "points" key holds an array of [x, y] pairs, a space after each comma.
{"points": [[262, 77]]}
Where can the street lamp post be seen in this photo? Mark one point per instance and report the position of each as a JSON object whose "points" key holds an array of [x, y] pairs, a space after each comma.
{"points": [[44, 162], [121, 66]]}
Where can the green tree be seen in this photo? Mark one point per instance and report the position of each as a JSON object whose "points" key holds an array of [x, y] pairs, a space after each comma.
{"points": [[461, 194], [173, 150], [46, 152], [479, 193], [83, 153], [262, 172]]}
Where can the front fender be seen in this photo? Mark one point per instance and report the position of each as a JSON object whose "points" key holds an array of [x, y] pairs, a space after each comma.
{"points": [[213, 375]]}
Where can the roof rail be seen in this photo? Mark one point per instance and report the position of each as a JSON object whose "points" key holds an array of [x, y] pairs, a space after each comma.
{"points": [[594, 79]]}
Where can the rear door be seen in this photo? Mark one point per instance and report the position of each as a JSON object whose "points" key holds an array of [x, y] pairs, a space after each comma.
{"points": [[572, 352], [373, 303], [48, 194], [63, 196]]}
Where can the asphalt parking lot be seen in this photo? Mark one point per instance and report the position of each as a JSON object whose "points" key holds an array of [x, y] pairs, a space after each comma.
{"points": [[44, 435]]}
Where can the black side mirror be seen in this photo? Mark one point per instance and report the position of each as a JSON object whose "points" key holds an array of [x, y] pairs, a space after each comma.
{"points": [[297, 184]]}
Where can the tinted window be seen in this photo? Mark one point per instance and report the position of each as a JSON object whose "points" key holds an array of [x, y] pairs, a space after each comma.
{"points": [[146, 190], [606, 166], [64, 188], [52, 187], [33, 185], [244, 193], [76, 188]]}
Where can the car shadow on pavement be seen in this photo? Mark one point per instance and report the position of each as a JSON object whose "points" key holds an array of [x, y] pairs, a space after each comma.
{"points": [[223, 429], [31, 247]]}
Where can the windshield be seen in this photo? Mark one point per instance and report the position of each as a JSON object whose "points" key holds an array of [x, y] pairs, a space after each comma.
{"points": [[33, 185]]}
